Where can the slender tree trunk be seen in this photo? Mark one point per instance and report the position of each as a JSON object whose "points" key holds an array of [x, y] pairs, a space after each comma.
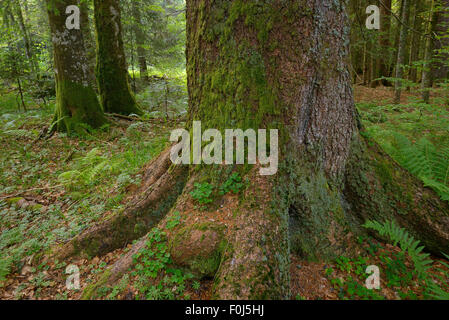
{"points": [[401, 51], [26, 38], [426, 82], [76, 100], [441, 66], [19, 83], [140, 41], [270, 66], [384, 62], [112, 72], [416, 42]]}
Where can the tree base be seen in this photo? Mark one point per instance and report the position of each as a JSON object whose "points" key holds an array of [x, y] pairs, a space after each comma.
{"points": [[244, 241]]}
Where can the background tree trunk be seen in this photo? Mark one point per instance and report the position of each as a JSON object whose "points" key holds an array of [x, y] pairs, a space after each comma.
{"points": [[415, 46], [385, 43], [26, 38], [89, 40], [76, 100], [441, 66], [140, 41], [401, 50], [112, 72], [426, 82]]}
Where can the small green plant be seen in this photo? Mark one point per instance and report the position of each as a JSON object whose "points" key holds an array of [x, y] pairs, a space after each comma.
{"points": [[234, 184], [196, 285], [173, 221], [396, 271], [156, 279], [202, 193]]}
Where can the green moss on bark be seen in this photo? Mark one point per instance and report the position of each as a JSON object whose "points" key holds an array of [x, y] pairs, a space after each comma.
{"points": [[76, 101], [111, 71], [75, 104]]}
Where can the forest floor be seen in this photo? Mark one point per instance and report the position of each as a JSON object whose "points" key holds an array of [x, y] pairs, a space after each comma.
{"points": [[52, 190]]}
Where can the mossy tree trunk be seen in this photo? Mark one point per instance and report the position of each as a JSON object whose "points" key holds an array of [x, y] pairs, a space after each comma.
{"points": [[111, 70], [274, 65], [76, 100], [89, 40]]}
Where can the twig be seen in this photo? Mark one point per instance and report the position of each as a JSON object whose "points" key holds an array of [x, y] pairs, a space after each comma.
{"points": [[29, 190]]}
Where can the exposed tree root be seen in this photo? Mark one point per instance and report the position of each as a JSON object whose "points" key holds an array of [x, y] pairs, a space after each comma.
{"points": [[377, 188], [240, 243]]}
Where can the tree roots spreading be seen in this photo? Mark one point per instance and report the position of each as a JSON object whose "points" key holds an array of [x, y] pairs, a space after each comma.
{"points": [[244, 241]]}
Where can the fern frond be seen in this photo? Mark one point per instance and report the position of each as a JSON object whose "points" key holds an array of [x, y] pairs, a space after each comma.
{"points": [[425, 161], [421, 261]]}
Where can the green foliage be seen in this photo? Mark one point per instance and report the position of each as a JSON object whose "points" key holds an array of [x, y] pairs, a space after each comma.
{"points": [[202, 193], [234, 184], [83, 170], [421, 261], [164, 97], [424, 160], [406, 242], [163, 25], [437, 292], [156, 279], [415, 135], [396, 271], [174, 220]]}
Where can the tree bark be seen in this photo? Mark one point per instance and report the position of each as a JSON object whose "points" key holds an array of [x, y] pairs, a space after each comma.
{"points": [[440, 70], [384, 62], [415, 46], [426, 82], [401, 51], [112, 72], [278, 65], [89, 40], [26, 38], [76, 100], [140, 41]]}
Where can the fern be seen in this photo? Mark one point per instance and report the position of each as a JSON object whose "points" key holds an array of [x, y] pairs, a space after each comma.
{"points": [[425, 161], [87, 169], [436, 291], [406, 242], [421, 261], [19, 133], [5, 267]]}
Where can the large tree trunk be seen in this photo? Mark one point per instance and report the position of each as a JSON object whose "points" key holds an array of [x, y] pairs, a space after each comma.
{"points": [[272, 65], [112, 72], [76, 100]]}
